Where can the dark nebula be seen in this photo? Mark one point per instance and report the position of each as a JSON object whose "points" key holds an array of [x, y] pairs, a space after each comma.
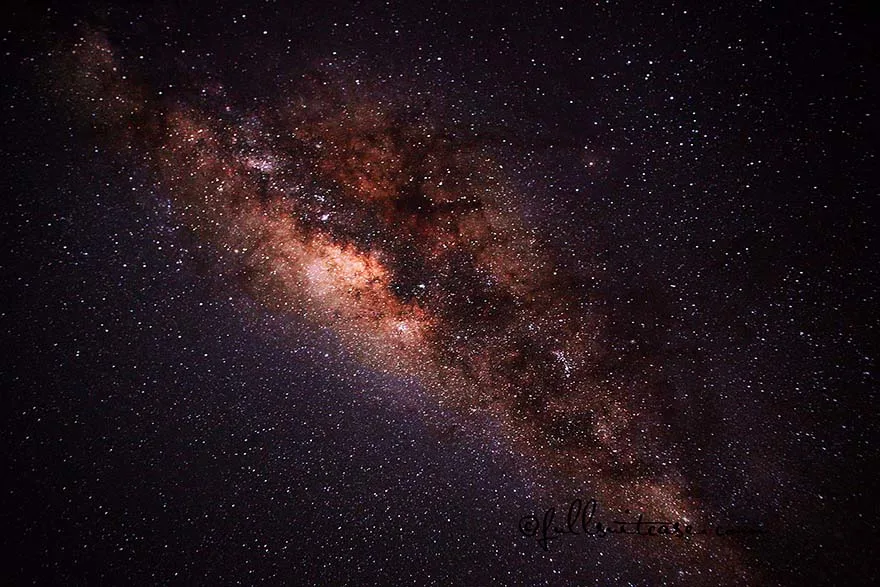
{"points": [[367, 215]]}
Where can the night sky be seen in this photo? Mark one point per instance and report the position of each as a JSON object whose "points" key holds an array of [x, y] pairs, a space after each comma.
{"points": [[362, 293]]}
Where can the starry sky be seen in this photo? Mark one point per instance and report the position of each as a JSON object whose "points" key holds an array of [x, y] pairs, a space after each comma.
{"points": [[354, 293]]}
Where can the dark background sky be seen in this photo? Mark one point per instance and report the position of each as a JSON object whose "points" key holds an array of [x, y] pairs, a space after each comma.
{"points": [[706, 168]]}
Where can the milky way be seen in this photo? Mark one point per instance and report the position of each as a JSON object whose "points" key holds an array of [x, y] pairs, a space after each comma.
{"points": [[351, 206]]}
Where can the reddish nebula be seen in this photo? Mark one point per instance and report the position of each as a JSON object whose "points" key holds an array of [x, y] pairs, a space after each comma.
{"points": [[370, 218]]}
